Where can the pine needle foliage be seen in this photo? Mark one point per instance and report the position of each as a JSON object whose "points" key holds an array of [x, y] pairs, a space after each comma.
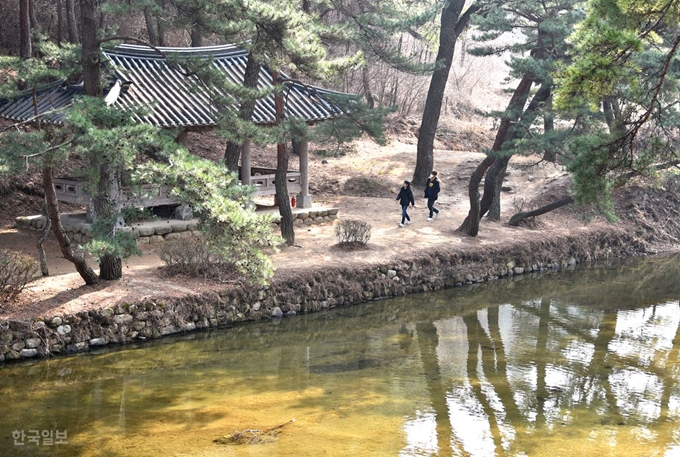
{"points": [[625, 71], [232, 231]]}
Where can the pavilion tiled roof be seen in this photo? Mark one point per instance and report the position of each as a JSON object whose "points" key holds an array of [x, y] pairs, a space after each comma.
{"points": [[171, 96], [49, 100]]}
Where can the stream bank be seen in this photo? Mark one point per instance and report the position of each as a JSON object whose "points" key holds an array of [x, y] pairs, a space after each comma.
{"points": [[308, 290]]}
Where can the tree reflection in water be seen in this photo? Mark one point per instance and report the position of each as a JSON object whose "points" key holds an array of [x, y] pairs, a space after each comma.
{"points": [[560, 375], [576, 363]]}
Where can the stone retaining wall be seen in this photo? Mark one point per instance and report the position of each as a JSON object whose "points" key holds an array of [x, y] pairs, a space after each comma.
{"points": [[304, 292], [158, 231]]}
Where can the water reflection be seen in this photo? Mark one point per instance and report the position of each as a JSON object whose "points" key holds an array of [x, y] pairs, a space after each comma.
{"points": [[581, 362]]}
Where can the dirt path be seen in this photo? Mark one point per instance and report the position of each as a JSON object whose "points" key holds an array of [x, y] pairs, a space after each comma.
{"points": [[381, 169]]}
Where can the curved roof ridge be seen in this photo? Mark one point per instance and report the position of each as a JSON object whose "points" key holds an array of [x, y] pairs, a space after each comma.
{"points": [[141, 51]]}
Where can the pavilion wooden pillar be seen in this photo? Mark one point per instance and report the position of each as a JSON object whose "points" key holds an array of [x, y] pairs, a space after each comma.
{"points": [[303, 152]]}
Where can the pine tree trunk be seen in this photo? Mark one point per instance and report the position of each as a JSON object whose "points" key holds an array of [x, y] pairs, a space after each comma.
{"points": [[281, 184], [612, 115], [24, 30], [231, 155], [281, 180], [471, 223], [151, 27], [196, 35], [31, 12], [366, 80], [102, 22], [78, 259], [110, 268], [452, 24], [44, 268], [90, 58], [71, 21], [60, 23], [549, 153], [106, 211], [161, 25], [250, 77], [491, 200], [519, 217]]}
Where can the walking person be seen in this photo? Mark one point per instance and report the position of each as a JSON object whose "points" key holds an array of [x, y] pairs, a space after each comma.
{"points": [[432, 193], [405, 198]]}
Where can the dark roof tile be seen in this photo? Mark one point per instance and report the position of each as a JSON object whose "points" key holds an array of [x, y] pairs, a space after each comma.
{"points": [[172, 97]]}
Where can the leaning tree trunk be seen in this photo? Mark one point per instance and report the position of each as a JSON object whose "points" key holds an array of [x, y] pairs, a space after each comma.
{"points": [[515, 123], [78, 258], [471, 223], [491, 200], [245, 113], [519, 217], [452, 24], [281, 180]]}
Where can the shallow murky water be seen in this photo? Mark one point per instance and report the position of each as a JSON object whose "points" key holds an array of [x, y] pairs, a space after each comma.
{"points": [[580, 363]]}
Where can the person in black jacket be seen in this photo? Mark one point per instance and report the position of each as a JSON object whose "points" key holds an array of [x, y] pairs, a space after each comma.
{"points": [[432, 193], [405, 198]]}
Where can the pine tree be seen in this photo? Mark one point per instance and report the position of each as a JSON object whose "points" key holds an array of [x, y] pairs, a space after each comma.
{"points": [[545, 27], [454, 19], [624, 70], [282, 37], [110, 142]]}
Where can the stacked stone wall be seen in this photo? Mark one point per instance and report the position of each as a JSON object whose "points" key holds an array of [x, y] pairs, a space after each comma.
{"points": [[305, 292]]}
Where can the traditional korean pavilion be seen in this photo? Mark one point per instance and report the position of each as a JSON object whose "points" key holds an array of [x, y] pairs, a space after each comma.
{"points": [[174, 98]]}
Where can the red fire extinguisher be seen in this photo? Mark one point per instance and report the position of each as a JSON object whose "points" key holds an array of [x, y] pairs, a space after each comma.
{"points": [[293, 201]]}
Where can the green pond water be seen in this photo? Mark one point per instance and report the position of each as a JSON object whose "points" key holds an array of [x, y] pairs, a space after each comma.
{"points": [[576, 363]]}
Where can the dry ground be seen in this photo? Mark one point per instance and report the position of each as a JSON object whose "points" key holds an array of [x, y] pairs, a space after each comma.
{"points": [[363, 185]]}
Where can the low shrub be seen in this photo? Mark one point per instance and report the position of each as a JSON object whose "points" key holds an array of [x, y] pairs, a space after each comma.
{"points": [[16, 270], [193, 257], [353, 232]]}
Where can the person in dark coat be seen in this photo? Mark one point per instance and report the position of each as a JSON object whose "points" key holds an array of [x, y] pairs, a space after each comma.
{"points": [[432, 193], [405, 198]]}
